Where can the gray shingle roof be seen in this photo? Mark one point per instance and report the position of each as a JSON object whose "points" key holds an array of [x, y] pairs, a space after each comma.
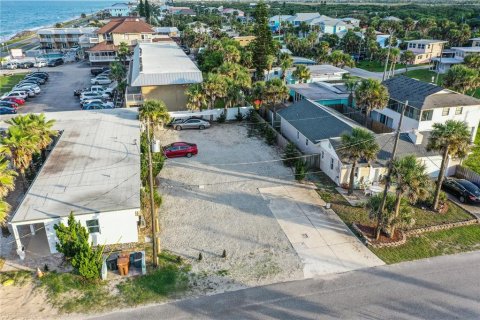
{"points": [[314, 122], [405, 146], [423, 95]]}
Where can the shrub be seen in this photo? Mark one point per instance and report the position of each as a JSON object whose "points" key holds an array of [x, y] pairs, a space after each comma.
{"points": [[300, 170], [290, 152], [270, 136], [222, 117]]}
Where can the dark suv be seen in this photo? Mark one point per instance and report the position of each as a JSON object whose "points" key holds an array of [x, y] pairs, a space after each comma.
{"points": [[463, 189], [55, 62]]}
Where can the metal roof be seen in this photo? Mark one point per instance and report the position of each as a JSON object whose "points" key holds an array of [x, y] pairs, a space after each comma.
{"points": [[426, 41], [164, 63], [316, 122], [318, 91], [94, 167]]}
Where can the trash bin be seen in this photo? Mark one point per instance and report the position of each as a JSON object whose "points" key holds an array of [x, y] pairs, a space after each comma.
{"points": [[122, 263]]}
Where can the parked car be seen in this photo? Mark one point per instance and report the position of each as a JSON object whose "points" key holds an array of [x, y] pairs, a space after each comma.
{"points": [[96, 71], [41, 74], [28, 86], [25, 65], [175, 121], [16, 94], [7, 110], [34, 80], [192, 124], [29, 91], [11, 66], [101, 80], [95, 100], [40, 64], [55, 62], [36, 77], [18, 101], [78, 92], [180, 149], [465, 190], [8, 104], [95, 106]]}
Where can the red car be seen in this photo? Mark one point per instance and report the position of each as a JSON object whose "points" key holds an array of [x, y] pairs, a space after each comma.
{"points": [[180, 149], [18, 101]]}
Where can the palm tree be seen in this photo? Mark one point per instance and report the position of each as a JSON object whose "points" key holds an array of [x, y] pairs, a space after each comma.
{"points": [[301, 73], [411, 181], [285, 61], [407, 57], [462, 78], [7, 177], [340, 59], [270, 61], [394, 57], [275, 91], [20, 145], [321, 51], [231, 54], [359, 145], [472, 61], [371, 94], [154, 112], [351, 84], [196, 99], [117, 72], [215, 86], [123, 52], [452, 139]]}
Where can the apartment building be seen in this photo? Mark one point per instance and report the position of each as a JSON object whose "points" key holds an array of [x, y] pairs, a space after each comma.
{"points": [[425, 50], [62, 38]]}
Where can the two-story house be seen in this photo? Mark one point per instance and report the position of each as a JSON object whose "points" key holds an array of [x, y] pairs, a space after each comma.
{"points": [[329, 25], [130, 30], [306, 17], [427, 104], [119, 10], [277, 21], [425, 50], [444, 64]]}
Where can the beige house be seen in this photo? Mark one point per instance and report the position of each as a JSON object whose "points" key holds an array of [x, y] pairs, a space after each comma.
{"points": [[161, 71], [130, 30], [425, 49], [244, 40]]}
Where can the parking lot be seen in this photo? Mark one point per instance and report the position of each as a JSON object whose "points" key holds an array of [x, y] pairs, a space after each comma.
{"points": [[223, 199], [57, 92]]}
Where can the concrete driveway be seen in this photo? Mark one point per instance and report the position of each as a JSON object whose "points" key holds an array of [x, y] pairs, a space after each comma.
{"points": [[471, 208], [57, 92], [321, 239]]}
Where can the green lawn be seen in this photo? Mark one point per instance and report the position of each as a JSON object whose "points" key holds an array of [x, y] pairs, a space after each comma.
{"points": [[71, 293], [7, 82], [375, 65], [473, 160], [433, 244]]}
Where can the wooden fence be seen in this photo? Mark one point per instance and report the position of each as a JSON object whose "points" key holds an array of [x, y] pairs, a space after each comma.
{"points": [[465, 173], [357, 116]]}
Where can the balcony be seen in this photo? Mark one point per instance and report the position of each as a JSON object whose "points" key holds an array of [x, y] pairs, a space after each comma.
{"points": [[93, 58], [133, 96], [137, 41]]}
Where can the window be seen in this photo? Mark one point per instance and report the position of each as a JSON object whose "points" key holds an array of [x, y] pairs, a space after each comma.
{"points": [[427, 115], [323, 154], [445, 111], [458, 110], [412, 113], [306, 142], [93, 226], [298, 135], [331, 164]]}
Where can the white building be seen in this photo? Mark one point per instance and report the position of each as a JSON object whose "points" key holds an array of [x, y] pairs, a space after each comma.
{"points": [[63, 38], [306, 17], [459, 54], [427, 104], [119, 10], [329, 25], [92, 171]]}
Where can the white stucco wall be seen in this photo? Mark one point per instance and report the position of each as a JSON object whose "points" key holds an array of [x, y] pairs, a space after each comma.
{"points": [[115, 227], [327, 154], [293, 135]]}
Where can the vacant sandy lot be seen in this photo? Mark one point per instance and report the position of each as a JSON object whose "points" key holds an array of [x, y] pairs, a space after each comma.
{"points": [[211, 203]]}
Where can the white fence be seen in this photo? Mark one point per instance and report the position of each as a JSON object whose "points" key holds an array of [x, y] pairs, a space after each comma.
{"points": [[215, 113]]}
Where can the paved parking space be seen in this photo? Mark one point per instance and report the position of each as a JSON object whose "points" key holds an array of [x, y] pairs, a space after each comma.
{"points": [[471, 208], [57, 92], [321, 239], [221, 199]]}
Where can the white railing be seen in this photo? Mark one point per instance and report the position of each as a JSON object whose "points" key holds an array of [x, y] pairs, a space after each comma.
{"points": [[135, 98], [101, 58], [137, 41], [49, 40]]}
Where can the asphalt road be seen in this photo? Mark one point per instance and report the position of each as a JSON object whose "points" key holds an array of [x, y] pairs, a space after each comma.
{"points": [[445, 287]]}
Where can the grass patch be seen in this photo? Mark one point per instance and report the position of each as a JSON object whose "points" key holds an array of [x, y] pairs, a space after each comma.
{"points": [[376, 66], [20, 278], [71, 293], [8, 82], [473, 160], [433, 244]]}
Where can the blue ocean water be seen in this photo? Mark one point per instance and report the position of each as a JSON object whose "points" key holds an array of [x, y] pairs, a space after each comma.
{"points": [[19, 15]]}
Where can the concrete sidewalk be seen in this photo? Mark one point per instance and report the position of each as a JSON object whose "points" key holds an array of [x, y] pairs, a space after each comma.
{"points": [[321, 239]]}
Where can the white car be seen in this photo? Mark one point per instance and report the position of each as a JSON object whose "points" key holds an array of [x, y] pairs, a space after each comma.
{"points": [[82, 102], [28, 91], [93, 95], [11, 65], [101, 80], [35, 88], [40, 64], [16, 94]]}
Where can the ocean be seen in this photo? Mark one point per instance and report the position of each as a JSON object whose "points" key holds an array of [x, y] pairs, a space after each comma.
{"points": [[19, 15]]}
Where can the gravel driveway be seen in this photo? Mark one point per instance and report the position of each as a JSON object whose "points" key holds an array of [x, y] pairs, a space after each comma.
{"points": [[211, 203]]}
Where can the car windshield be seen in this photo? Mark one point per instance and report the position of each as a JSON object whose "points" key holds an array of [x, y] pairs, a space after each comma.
{"points": [[470, 187]]}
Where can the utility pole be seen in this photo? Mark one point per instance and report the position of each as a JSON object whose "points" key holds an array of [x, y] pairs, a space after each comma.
{"points": [[388, 178], [388, 56], [438, 64], [152, 201]]}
